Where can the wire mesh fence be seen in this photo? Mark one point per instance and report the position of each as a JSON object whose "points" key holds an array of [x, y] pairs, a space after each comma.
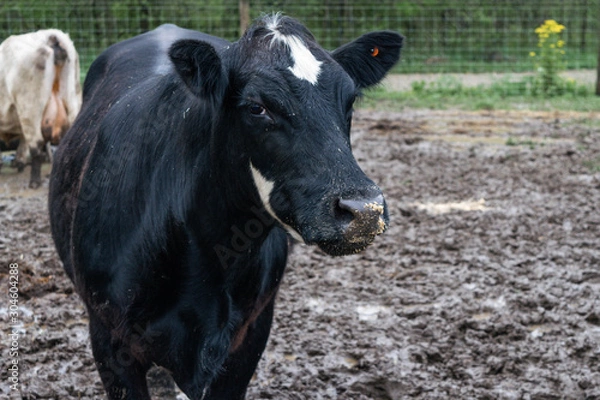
{"points": [[441, 36]]}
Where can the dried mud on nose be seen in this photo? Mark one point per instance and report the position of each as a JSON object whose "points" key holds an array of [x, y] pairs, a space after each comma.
{"points": [[486, 284]]}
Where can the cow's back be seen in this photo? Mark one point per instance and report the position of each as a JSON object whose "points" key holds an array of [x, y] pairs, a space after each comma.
{"points": [[139, 58]]}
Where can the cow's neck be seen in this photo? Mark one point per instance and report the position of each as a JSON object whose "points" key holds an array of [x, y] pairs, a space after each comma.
{"points": [[235, 248], [237, 225]]}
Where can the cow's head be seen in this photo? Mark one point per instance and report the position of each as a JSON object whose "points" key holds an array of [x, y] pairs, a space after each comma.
{"points": [[287, 109]]}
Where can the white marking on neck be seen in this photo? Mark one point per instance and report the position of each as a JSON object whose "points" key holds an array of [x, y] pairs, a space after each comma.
{"points": [[305, 65], [265, 187]]}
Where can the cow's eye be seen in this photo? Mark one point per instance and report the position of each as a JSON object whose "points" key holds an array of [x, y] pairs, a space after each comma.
{"points": [[257, 109]]}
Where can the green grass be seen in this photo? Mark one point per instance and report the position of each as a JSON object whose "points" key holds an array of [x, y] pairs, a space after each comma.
{"points": [[593, 165], [517, 61], [450, 93], [529, 143]]}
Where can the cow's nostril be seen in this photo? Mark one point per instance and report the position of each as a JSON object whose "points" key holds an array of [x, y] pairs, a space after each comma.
{"points": [[360, 206], [364, 217], [343, 211], [352, 207]]}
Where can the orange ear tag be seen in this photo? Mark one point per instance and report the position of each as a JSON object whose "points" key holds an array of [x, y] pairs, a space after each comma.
{"points": [[374, 51]]}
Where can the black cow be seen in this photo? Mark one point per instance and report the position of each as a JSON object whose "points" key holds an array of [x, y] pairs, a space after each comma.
{"points": [[172, 195]]}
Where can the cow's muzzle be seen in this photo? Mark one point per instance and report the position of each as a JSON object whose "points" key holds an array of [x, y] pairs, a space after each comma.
{"points": [[361, 221]]}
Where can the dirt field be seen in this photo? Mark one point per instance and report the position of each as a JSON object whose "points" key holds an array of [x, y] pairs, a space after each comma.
{"points": [[486, 286]]}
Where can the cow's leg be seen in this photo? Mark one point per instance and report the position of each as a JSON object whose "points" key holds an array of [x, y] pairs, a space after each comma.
{"points": [[37, 159], [240, 365], [21, 155], [49, 152], [123, 377]]}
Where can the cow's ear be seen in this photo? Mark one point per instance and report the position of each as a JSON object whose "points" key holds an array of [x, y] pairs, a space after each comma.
{"points": [[368, 58], [199, 66]]}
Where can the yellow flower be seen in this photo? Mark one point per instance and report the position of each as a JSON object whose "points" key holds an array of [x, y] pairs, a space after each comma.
{"points": [[532, 54], [560, 43], [549, 26]]}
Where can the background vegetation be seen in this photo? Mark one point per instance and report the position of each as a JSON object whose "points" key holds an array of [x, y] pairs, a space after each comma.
{"points": [[502, 94], [442, 36]]}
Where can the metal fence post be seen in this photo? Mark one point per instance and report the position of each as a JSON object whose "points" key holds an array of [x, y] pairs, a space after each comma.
{"points": [[598, 74], [244, 7], [598, 64]]}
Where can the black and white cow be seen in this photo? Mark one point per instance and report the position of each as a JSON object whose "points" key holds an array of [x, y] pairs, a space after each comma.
{"points": [[172, 196]]}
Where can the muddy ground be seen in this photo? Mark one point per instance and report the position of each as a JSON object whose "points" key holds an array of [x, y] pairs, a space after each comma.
{"points": [[486, 286]]}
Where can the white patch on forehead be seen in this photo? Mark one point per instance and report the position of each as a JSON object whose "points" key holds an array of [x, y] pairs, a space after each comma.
{"points": [[305, 65], [273, 21], [265, 187]]}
